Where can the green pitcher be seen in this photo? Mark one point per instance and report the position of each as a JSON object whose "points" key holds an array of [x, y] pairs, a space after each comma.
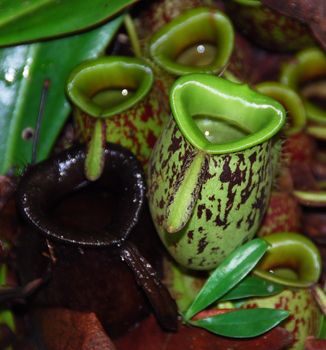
{"points": [[305, 74], [211, 171], [294, 262], [115, 101], [199, 40]]}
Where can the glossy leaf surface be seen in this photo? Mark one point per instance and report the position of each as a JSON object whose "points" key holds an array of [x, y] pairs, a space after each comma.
{"points": [[243, 323], [322, 331], [23, 70], [39, 19], [230, 272], [252, 286], [149, 336]]}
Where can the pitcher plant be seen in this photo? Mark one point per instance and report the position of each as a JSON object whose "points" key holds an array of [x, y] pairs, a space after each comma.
{"points": [[199, 40], [115, 101], [294, 262], [306, 74], [212, 169]]}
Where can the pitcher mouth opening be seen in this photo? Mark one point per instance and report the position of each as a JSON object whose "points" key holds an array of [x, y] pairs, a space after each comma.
{"points": [[199, 40], [314, 91], [296, 116], [107, 86], [252, 3], [48, 189], [291, 260], [218, 116], [307, 75]]}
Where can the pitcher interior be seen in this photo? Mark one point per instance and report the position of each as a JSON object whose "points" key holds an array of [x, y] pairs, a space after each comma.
{"points": [[109, 85], [220, 116]]}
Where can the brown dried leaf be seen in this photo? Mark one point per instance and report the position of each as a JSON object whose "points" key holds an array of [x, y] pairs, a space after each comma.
{"points": [[149, 336], [64, 329]]}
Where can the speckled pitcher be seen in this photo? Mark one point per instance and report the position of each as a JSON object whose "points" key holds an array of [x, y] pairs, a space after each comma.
{"points": [[211, 171], [293, 261], [115, 101], [199, 40]]}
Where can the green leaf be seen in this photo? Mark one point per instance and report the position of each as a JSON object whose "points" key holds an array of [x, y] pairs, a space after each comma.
{"points": [[23, 70], [244, 323], [322, 330], [229, 273], [36, 19], [253, 286]]}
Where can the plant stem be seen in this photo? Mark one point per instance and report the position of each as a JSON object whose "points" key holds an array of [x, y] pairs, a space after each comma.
{"points": [[132, 33]]}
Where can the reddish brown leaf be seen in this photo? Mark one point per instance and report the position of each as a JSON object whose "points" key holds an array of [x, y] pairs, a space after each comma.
{"points": [[150, 337], [64, 329]]}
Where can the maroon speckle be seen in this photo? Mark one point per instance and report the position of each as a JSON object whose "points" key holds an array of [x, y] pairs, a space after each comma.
{"points": [[161, 204], [201, 245], [151, 139], [201, 207], [208, 214], [190, 235]]}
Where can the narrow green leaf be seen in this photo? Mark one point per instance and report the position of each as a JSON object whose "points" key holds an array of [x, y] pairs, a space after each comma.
{"points": [[252, 286], [39, 19], [95, 153], [230, 272], [23, 70], [322, 330], [244, 323]]}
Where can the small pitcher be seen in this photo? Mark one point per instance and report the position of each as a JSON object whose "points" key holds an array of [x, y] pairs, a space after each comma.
{"points": [[199, 40], [94, 238], [212, 169], [115, 101], [293, 261]]}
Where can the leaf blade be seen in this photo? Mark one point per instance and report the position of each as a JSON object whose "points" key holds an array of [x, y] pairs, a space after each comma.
{"points": [[23, 71], [246, 323], [252, 286], [38, 19], [230, 272]]}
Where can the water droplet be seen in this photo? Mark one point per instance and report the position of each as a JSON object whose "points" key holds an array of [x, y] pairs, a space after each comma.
{"points": [[201, 49], [206, 133], [10, 75], [124, 92], [270, 288], [26, 71]]}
